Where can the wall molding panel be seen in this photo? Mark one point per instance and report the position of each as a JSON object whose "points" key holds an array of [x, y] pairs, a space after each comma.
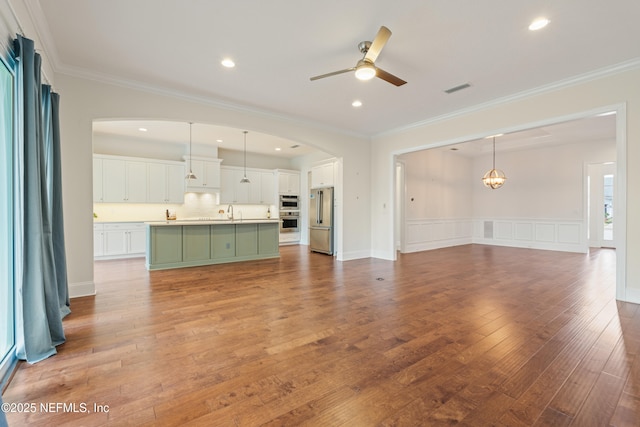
{"points": [[548, 234]]}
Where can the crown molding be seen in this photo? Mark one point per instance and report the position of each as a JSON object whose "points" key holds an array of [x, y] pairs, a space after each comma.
{"points": [[622, 67]]}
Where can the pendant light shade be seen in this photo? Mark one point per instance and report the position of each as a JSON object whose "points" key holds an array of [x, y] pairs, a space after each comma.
{"points": [[190, 175], [494, 178], [244, 179]]}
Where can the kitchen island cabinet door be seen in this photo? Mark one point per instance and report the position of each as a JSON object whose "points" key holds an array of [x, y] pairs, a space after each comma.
{"points": [[195, 243], [246, 240], [165, 244], [223, 241], [268, 239]]}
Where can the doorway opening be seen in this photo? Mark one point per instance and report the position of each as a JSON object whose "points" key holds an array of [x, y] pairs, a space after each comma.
{"points": [[601, 190]]}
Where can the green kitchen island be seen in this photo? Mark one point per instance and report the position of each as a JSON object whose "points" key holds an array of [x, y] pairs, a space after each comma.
{"points": [[176, 244]]}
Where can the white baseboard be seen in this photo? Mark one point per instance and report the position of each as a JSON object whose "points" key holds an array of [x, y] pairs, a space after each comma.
{"points": [[348, 256], [632, 295], [81, 289]]}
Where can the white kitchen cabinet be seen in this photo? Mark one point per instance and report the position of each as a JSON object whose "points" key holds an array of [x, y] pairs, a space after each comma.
{"points": [[123, 181], [268, 191], [207, 174], [260, 189], [119, 239], [289, 183], [165, 183], [322, 175], [98, 240], [97, 180]]}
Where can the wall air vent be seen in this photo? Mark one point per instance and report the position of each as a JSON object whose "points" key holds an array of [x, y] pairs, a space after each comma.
{"points": [[488, 229], [457, 88]]}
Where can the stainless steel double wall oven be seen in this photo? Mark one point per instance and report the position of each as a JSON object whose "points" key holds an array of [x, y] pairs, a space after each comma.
{"points": [[289, 213]]}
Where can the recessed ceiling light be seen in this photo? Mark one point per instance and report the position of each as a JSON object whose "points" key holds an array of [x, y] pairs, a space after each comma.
{"points": [[278, 148], [538, 24], [494, 136], [356, 103], [218, 140], [142, 129], [228, 62]]}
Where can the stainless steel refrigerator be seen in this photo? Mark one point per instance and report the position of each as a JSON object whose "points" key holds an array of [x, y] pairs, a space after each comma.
{"points": [[321, 220]]}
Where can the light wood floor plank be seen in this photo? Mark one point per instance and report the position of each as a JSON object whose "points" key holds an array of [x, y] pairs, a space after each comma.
{"points": [[471, 335]]}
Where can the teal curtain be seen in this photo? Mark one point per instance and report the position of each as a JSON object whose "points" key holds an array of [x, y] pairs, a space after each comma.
{"points": [[42, 299]]}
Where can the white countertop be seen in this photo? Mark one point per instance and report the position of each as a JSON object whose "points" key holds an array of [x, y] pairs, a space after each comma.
{"points": [[213, 221]]}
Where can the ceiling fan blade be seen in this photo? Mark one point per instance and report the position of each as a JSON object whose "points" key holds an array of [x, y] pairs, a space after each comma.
{"points": [[378, 43], [388, 77], [322, 76]]}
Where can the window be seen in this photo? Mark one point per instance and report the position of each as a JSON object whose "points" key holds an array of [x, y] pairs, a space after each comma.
{"points": [[7, 122]]}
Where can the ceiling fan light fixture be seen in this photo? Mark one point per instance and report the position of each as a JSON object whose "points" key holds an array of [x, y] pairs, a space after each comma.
{"points": [[365, 70]]}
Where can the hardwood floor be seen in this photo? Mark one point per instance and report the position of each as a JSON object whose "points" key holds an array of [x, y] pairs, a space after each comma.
{"points": [[471, 335]]}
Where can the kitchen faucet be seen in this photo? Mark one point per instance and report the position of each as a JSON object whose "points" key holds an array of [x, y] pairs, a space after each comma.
{"points": [[230, 208]]}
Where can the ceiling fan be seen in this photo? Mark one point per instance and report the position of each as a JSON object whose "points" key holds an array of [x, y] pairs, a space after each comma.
{"points": [[366, 68]]}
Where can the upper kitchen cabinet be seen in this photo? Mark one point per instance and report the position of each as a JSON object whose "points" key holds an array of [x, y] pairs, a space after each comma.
{"points": [[323, 175], [207, 172], [260, 190], [136, 180], [268, 190], [165, 182], [123, 181], [97, 180], [288, 182]]}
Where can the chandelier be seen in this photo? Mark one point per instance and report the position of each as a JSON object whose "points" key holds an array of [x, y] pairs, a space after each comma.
{"points": [[494, 178]]}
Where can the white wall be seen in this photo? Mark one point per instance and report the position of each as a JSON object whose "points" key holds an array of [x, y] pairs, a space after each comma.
{"points": [[588, 95], [121, 146], [543, 183], [542, 205], [438, 185], [83, 101], [254, 160]]}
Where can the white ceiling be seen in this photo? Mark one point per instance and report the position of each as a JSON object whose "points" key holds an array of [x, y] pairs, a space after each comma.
{"points": [[202, 134], [177, 45]]}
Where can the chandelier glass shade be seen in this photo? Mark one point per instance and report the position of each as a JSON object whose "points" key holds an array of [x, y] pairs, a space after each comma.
{"points": [[494, 178]]}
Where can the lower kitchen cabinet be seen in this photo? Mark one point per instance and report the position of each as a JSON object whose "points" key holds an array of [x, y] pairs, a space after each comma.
{"points": [[246, 239], [164, 245], [180, 245], [268, 239], [223, 241], [119, 240], [196, 243]]}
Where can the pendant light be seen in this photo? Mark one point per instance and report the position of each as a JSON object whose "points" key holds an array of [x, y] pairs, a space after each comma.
{"points": [[190, 175], [244, 179], [494, 178]]}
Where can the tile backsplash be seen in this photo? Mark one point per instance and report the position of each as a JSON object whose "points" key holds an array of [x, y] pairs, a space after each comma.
{"points": [[196, 205]]}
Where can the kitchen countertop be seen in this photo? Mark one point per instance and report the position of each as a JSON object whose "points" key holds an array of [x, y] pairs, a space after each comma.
{"points": [[213, 221]]}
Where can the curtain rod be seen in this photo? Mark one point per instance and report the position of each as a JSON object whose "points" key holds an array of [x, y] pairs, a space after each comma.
{"points": [[21, 32]]}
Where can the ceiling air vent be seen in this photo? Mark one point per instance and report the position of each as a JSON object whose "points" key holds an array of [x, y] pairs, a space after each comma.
{"points": [[295, 146], [457, 88]]}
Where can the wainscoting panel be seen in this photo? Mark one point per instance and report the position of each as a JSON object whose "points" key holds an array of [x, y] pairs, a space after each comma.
{"points": [[426, 234], [547, 234]]}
